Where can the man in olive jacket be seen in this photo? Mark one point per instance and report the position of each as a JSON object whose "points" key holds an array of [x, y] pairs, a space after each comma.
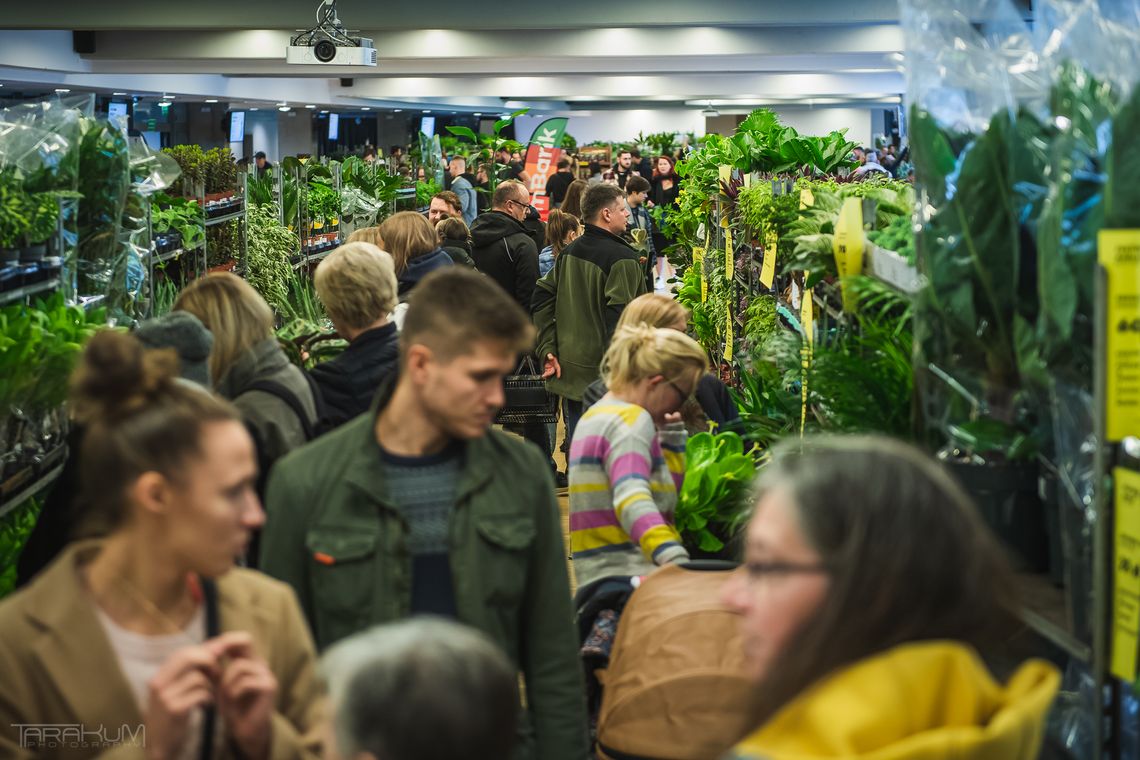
{"points": [[419, 507], [578, 303]]}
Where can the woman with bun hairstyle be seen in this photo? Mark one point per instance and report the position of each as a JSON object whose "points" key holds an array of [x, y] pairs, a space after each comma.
{"points": [[870, 592], [149, 639], [248, 367], [628, 455]]}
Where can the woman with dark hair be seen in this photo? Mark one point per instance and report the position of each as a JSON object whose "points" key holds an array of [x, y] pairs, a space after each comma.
{"points": [[870, 591], [572, 204], [150, 638], [664, 192]]}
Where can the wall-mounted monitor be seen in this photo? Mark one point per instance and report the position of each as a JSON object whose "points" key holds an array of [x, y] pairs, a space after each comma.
{"points": [[427, 125], [116, 109], [237, 126], [334, 127]]}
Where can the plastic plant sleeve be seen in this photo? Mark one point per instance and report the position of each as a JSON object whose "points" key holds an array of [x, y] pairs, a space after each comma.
{"points": [[105, 183]]}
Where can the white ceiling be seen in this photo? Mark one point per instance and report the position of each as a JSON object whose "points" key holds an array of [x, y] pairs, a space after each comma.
{"points": [[599, 55]]}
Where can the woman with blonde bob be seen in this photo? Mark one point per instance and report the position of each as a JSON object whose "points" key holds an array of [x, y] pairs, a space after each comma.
{"points": [[248, 367], [870, 592], [414, 246], [627, 456], [712, 402], [367, 235], [357, 285]]}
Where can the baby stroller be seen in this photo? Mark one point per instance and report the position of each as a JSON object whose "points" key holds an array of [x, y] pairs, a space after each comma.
{"points": [[674, 688]]}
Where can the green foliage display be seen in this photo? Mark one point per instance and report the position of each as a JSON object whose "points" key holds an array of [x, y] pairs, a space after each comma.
{"points": [[192, 160], [425, 191], [268, 254], [488, 146], [45, 217], [15, 211], [105, 183], [181, 215], [713, 497], [15, 529]]}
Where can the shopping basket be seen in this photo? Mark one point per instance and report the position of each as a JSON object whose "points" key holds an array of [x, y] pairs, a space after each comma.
{"points": [[527, 399]]}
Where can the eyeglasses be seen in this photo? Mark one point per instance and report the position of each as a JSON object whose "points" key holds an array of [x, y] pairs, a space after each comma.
{"points": [[526, 206], [685, 397]]}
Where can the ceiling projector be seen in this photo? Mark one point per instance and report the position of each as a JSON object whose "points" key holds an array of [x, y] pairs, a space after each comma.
{"points": [[328, 43]]}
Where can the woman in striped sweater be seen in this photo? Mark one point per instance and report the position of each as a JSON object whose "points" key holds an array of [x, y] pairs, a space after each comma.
{"points": [[627, 456]]}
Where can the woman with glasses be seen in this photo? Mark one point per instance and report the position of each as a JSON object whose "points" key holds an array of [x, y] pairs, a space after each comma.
{"points": [[870, 592], [627, 456]]}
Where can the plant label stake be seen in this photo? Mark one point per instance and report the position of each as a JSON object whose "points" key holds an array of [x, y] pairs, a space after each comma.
{"points": [[1126, 581], [807, 198], [768, 270], [728, 332], [1119, 253], [699, 263], [728, 257], [848, 246], [807, 322]]}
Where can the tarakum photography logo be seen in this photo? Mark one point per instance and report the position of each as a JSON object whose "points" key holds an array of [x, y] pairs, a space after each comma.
{"points": [[79, 736]]}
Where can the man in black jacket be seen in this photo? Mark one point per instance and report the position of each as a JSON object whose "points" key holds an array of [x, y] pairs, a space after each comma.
{"points": [[502, 246], [357, 285]]}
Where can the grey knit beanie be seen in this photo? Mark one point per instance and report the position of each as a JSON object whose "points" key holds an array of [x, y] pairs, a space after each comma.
{"points": [[183, 332]]}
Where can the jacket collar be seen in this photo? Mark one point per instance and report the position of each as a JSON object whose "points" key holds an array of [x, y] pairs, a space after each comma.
{"points": [[373, 336], [365, 473], [74, 650], [593, 230], [263, 358]]}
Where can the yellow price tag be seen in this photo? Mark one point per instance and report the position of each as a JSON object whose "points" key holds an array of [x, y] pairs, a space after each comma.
{"points": [[729, 257], [848, 245], [728, 333], [768, 270], [699, 263], [1119, 253], [807, 198], [1126, 564], [748, 179], [725, 172]]}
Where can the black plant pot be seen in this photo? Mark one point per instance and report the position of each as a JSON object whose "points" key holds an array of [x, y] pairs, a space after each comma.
{"points": [[1007, 498]]}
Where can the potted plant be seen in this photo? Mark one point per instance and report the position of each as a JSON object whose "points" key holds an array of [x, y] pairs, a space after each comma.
{"points": [[15, 220]]}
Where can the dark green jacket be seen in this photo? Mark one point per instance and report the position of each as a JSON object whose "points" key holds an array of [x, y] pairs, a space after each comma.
{"points": [[578, 303], [333, 536]]}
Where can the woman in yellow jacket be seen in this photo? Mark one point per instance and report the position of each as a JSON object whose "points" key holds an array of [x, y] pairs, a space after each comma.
{"points": [[148, 643], [869, 587]]}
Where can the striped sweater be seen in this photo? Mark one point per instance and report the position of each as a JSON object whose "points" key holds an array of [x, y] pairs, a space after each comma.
{"points": [[624, 479]]}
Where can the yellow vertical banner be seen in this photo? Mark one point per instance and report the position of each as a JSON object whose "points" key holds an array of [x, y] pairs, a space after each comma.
{"points": [[729, 258], [768, 269], [1119, 254], [699, 263], [848, 245], [729, 337], [807, 324], [1126, 570]]}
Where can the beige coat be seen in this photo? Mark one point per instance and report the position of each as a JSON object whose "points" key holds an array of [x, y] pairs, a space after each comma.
{"points": [[57, 667]]}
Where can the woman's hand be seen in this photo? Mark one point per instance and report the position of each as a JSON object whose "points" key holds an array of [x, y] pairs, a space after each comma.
{"points": [[247, 694], [672, 418], [184, 683]]}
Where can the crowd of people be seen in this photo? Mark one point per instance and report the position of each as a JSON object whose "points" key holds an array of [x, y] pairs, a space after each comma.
{"points": [[257, 561]]}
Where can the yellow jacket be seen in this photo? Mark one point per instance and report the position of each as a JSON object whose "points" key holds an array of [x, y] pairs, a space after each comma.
{"points": [[925, 701]]}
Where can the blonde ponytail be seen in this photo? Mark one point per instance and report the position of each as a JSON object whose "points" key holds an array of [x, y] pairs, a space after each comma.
{"points": [[641, 351]]}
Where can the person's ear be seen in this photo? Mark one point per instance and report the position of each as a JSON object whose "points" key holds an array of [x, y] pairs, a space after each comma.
{"points": [[152, 492], [419, 358]]}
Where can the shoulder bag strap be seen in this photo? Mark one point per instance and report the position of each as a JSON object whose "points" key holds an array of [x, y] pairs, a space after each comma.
{"points": [[213, 628]]}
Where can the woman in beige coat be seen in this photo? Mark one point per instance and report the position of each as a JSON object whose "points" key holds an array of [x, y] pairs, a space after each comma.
{"points": [[148, 643]]}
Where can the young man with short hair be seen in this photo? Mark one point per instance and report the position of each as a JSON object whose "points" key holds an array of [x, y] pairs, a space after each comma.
{"points": [[624, 168], [444, 204], [514, 169], [578, 303], [419, 507], [637, 192]]}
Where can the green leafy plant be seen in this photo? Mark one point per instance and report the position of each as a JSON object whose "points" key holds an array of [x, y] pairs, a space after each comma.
{"points": [[192, 160], [16, 211], [15, 529], [45, 217], [323, 202], [105, 183], [425, 191], [713, 497], [220, 170], [489, 145], [268, 255], [181, 215]]}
